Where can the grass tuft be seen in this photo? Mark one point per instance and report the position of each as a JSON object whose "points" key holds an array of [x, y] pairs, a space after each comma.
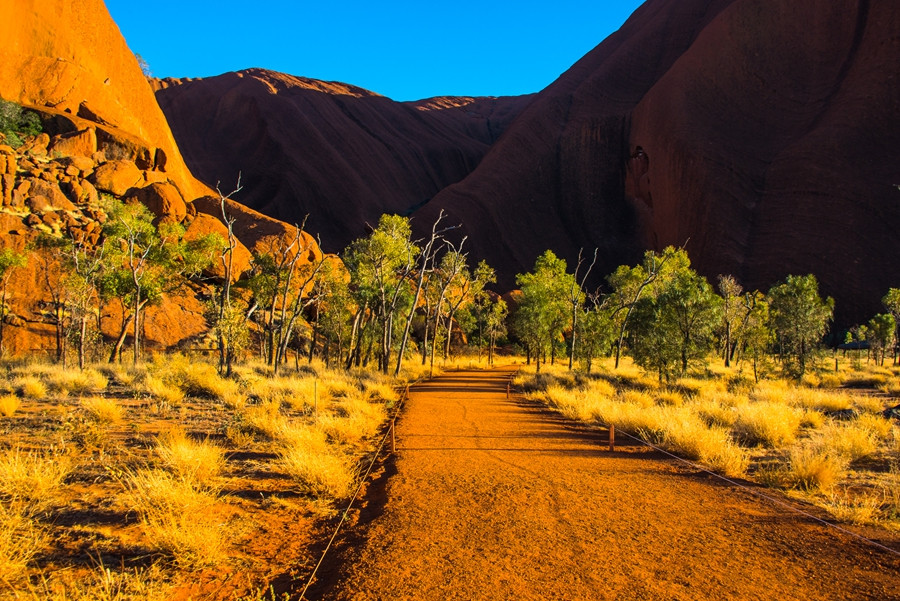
{"points": [[177, 518], [813, 467], [9, 404], [103, 410], [197, 462]]}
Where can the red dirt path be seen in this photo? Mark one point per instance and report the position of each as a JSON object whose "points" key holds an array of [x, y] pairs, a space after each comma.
{"points": [[490, 498]]}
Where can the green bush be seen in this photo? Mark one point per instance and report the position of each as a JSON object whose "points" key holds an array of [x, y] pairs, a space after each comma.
{"points": [[17, 124]]}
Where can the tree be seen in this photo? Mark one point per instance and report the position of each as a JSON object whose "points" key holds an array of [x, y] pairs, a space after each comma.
{"points": [[427, 256], [149, 261], [598, 334], [756, 335], [891, 302], [575, 297], [495, 326], [799, 317], [674, 325], [17, 124], [733, 313], [10, 260], [380, 265], [543, 311], [880, 334], [450, 276], [630, 283]]}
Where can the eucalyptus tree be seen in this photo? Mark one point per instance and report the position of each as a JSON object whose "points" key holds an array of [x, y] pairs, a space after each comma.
{"points": [[891, 302], [734, 311], [629, 284], [10, 260], [148, 261], [880, 335], [799, 317], [380, 265], [429, 251], [543, 311], [575, 297], [598, 333], [450, 276]]}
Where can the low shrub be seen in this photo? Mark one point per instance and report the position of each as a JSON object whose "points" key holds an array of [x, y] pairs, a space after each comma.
{"points": [[199, 462], [813, 467], [766, 423], [177, 517]]}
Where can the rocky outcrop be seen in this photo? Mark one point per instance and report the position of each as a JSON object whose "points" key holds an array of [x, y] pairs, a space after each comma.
{"points": [[762, 135], [340, 154], [69, 58]]}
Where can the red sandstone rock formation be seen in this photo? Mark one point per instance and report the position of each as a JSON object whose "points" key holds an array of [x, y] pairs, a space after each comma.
{"points": [[105, 133], [69, 56], [341, 154], [763, 135]]}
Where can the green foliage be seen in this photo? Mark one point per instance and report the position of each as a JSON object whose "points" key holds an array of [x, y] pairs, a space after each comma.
{"points": [[598, 334], [543, 312], [880, 333], [674, 324], [17, 124], [800, 319]]}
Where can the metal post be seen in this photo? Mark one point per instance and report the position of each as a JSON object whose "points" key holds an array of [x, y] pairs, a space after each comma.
{"points": [[612, 438], [508, 386], [393, 436]]}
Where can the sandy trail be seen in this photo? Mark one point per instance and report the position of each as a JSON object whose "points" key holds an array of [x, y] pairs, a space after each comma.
{"points": [[490, 498]]}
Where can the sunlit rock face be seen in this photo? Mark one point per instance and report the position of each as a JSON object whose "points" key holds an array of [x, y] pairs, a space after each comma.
{"points": [[68, 56]]}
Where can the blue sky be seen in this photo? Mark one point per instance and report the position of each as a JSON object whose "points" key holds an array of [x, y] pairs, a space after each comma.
{"points": [[404, 50]]}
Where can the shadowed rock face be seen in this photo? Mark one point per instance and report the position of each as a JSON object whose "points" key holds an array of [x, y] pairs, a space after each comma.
{"points": [[341, 154], [762, 134]]}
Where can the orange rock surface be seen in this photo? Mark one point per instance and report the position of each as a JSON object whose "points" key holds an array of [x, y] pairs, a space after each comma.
{"points": [[69, 56]]}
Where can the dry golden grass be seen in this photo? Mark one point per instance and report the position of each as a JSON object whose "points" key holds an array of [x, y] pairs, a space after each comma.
{"points": [[31, 480], [819, 400], [264, 419], [813, 467], [850, 440], [177, 518], [103, 410], [686, 434], [381, 392], [882, 428], [200, 462], [766, 423], [30, 387], [21, 538], [77, 382], [9, 404], [867, 404], [158, 390], [102, 584], [669, 398], [318, 468], [194, 378], [854, 508], [354, 419]]}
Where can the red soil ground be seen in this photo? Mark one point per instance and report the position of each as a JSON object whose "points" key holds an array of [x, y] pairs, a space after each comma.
{"points": [[489, 498]]}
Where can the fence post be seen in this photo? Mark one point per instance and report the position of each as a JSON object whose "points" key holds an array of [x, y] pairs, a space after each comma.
{"points": [[508, 386], [612, 438], [393, 435]]}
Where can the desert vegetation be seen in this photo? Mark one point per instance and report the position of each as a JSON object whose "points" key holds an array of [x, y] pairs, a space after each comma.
{"points": [[131, 479]]}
